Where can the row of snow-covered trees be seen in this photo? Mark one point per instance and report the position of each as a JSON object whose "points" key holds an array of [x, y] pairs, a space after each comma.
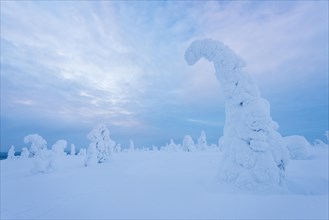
{"points": [[189, 145], [99, 150], [45, 160], [102, 146]]}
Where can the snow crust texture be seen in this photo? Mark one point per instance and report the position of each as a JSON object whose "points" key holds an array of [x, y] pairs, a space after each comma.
{"points": [[255, 154]]}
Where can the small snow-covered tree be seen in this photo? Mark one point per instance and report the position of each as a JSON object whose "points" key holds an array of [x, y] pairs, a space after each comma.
{"points": [[72, 152], [82, 152], [298, 147], [91, 155], [11, 152], [154, 148], [59, 147], [37, 143], [46, 160], [188, 143], [117, 148], [213, 147], [202, 142], [25, 153], [101, 143], [57, 155], [319, 143], [172, 146], [327, 136], [131, 146], [41, 161]]}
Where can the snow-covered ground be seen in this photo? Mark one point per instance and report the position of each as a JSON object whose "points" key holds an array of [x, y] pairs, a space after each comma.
{"points": [[153, 185]]}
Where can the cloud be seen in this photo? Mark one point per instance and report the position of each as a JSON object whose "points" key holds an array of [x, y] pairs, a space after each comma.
{"points": [[122, 62]]}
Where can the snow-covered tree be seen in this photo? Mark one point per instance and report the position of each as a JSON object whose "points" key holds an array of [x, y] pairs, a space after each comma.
{"points": [[172, 146], [37, 143], [213, 147], [188, 143], [298, 147], [59, 147], [154, 148], [72, 152], [41, 161], [25, 153], [202, 142], [131, 146], [11, 152], [101, 143], [50, 160], [117, 148], [255, 154], [57, 155], [91, 155], [319, 143], [82, 152]]}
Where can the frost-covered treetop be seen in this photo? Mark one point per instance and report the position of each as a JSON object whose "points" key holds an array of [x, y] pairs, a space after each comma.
{"points": [[213, 51], [37, 143], [59, 147], [98, 133]]}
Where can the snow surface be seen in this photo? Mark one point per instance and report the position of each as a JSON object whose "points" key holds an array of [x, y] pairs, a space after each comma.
{"points": [[158, 184]]}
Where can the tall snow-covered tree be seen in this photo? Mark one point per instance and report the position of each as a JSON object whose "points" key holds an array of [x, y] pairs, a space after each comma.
{"points": [[11, 152], [255, 155], [37, 143], [101, 143]]}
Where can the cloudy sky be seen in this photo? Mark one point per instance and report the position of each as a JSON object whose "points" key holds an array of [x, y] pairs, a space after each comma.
{"points": [[67, 66]]}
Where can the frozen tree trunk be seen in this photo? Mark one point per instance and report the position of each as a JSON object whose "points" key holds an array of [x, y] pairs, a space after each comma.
{"points": [[255, 154]]}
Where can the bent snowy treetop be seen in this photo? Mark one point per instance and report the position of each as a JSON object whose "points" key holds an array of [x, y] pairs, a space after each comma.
{"points": [[255, 155]]}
